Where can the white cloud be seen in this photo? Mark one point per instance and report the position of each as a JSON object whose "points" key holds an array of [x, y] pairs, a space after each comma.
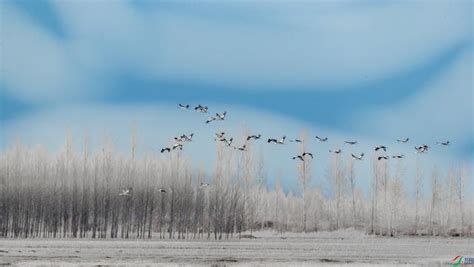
{"points": [[34, 65], [264, 45], [443, 111]]}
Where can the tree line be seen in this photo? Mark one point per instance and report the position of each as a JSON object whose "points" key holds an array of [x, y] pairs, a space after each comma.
{"points": [[75, 194]]}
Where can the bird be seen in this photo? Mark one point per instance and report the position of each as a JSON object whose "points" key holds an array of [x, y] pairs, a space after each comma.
{"points": [[307, 154], [202, 185], [221, 117], [358, 157], [188, 138], [202, 109], [166, 149], [178, 139], [335, 151], [382, 157], [422, 148], [177, 146], [351, 142], [125, 191], [227, 142], [299, 157], [210, 119], [446, 143], [242, 148], [321, 139], [403, 140], [280, 142], [181, 106], [398, 156], [377, 148], [255, 137], [220, 135], [161, 190], [296, 140]]}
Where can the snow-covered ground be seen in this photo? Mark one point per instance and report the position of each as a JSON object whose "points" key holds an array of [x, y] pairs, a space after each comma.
{"points": [[326, 248]]}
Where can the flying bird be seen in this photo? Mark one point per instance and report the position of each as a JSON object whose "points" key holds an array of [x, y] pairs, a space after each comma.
{"points": [[296, 140], [403, 140], [219, 135], [161, 190], [299, 157], [358, 157], [202, 185], [351, 142], [335, 151], [177, 146], [382, 157], [221, 117], [242, 148], [188, 138], [227, 142], [321, 139], [377, 148], [422, 149], [210, 119], [398, 156], [255, 137], [166, 149], [202, 109], [125, 191], [303, 155], [280, 142], [443, 143], [181, 106]]}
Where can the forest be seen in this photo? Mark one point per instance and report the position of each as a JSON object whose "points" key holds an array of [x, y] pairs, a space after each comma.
{"points": [[75, 193]]}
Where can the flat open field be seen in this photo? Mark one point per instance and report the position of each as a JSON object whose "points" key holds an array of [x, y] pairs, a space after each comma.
{"points": [[332, 249]]}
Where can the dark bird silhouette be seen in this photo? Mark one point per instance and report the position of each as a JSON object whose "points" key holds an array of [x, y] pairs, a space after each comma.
{"points": [[443, 143], [358, 157], [296, 140], [221, 117], [377, 148], [188, 138], [166, 149], [422, 149], [255, 137], [202, 109], [299, 157], [321, 139], [280, 142], [177, 146], [335, 151], [219, 135], [181, 106], [398, 156], [125, 191], [382, 157], [227, 142], [161, 190], [218, 117], [303, 155], [351, 142], [211, 119], [242, 148], [403, 140]]}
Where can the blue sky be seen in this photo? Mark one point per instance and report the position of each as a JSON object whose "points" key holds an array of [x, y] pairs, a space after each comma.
{"points": [[372, 70]]}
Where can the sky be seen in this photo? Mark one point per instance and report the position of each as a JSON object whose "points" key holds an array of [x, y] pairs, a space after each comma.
{"points": [[372, 71]]}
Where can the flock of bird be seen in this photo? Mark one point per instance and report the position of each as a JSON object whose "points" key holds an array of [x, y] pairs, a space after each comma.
{"points": [[179, 141]]}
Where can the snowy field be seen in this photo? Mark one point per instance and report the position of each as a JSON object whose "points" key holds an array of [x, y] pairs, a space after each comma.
{"points": [[332, 249]]}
